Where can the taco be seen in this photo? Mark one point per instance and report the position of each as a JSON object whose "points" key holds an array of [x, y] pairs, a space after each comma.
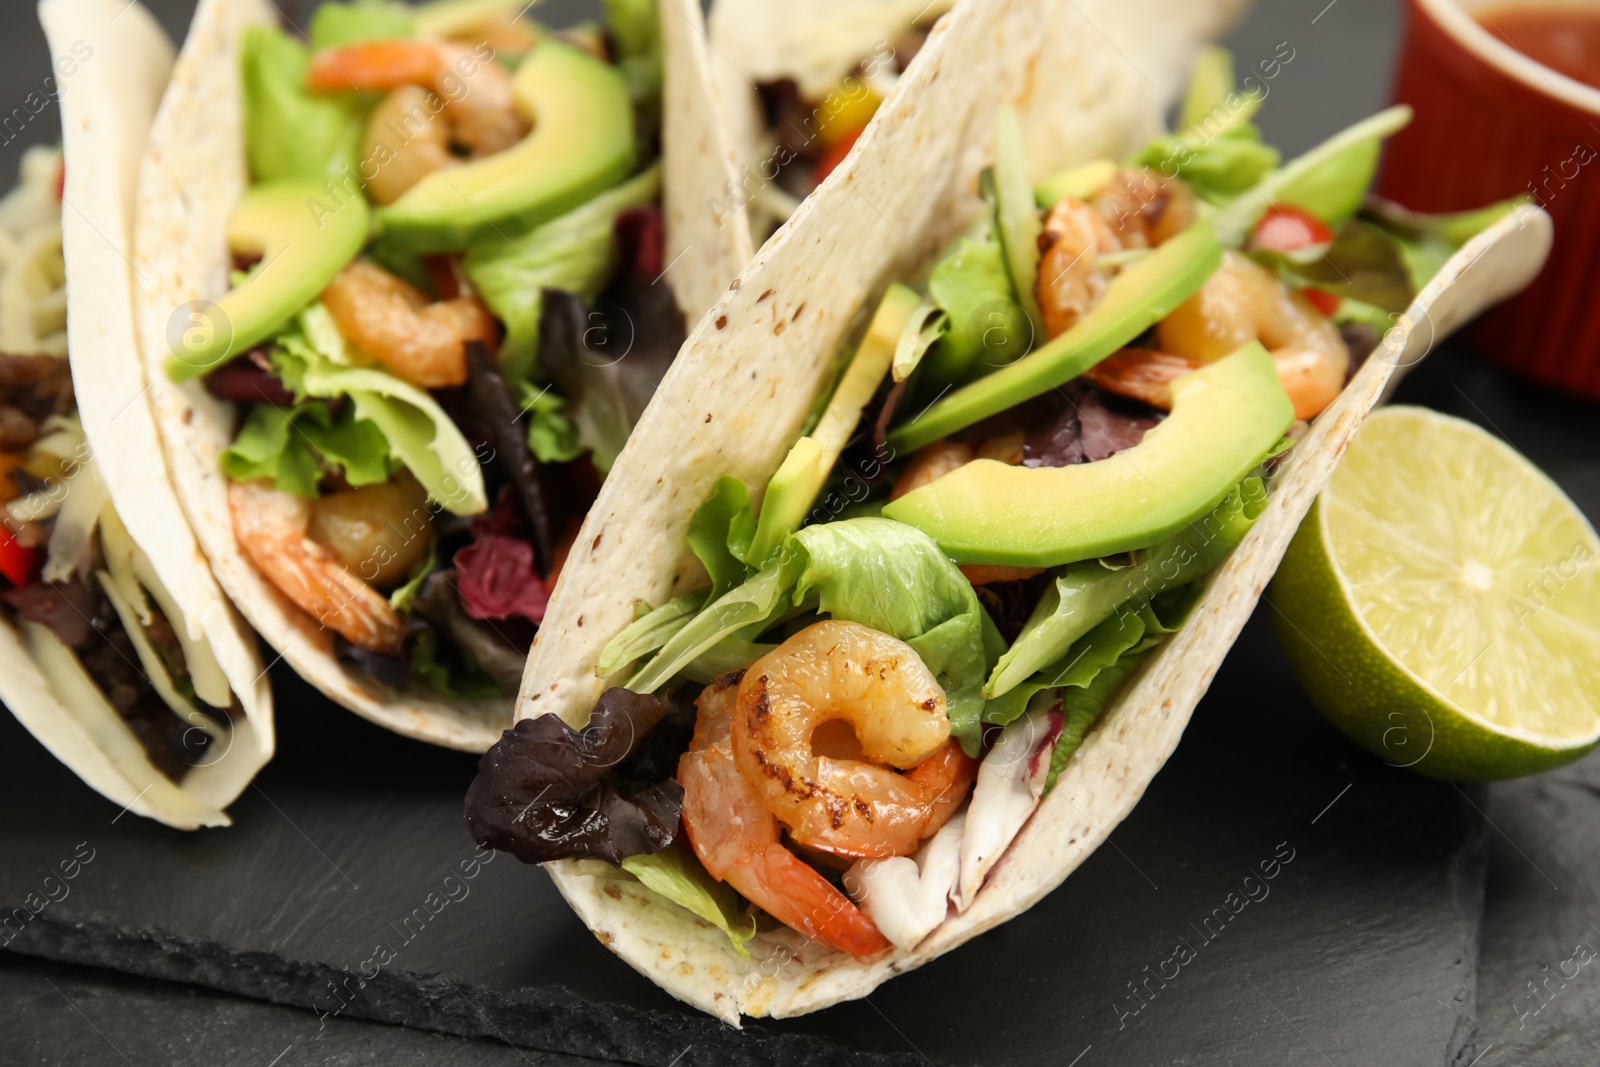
{"points": [[800, 83], [935, 534], [405, 287], [117, 649]]}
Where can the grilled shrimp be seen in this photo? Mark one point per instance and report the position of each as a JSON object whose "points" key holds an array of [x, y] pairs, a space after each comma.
{"points": [[392, 321], [404, 144], [464, 86], [877, 684], [1143, 208], [1241, 302], [736, 838], [272, 527], [1071, 280]]}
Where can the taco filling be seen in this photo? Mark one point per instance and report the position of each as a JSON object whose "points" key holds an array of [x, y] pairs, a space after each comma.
{"points": [[90, 609], [446, 317], [1013, 492], [819, 78]]}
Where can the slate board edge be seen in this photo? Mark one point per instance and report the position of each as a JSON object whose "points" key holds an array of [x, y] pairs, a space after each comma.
{"points": [[548, 1018]]}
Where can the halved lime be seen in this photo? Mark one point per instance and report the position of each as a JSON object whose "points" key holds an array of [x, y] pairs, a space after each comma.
{"points": [[1441, 603]]}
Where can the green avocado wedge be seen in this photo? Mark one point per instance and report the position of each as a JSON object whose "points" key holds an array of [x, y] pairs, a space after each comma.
{"points": [[582, 144], [1138, 298], [1225, 417], [303, 241]]}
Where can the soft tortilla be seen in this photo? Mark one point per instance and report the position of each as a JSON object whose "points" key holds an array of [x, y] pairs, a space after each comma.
{"points": [[191, 180], [108, 102], [740, 391]]}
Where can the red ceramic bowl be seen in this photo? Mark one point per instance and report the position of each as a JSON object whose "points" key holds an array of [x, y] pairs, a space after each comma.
{"points": [[1491, 123]]}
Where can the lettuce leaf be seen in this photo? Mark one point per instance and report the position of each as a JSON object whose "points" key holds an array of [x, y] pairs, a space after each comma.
{"points": [[289, 132], [675, 874], [1082, 708], [575, 252], [1086, 594], [295, 447], [986, 327], [1088, 656], [874, 571], [551, 435], [649, 632], [635, 32], [720, 534], [1329, 180], [336, 25], [1218, 168], [311, 359], [450, 675]]}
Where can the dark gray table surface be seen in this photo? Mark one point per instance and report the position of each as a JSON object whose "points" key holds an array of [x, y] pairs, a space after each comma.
{"points": [[1366, 951]]}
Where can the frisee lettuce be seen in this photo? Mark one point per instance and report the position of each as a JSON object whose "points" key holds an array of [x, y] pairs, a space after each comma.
{"points": [[295, 447], [313, 361]]}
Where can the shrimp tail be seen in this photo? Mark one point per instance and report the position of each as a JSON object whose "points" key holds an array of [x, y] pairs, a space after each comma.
{"points": [[776, 880]]}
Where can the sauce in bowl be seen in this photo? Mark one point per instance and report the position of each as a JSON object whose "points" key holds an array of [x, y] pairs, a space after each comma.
{"points": [[1565, 39]]}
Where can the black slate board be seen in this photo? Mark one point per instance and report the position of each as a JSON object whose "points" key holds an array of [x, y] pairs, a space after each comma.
{"points": [[60, 1014], [1365, 940]]}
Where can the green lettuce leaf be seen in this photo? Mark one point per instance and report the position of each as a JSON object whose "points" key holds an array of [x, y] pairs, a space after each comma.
{"points": [[674, 873], [1218, 168], [311, 358], [551, 434], [649, 632], [401, 599], [295, 447], [720, 533], [1088, 656], [635, 32], [1330, 180], [289, 132], [741, 612], [336, 25], [447, 669], [985, 326], [877, 572], [575, 252], [1082, 708], [1086, 594]]}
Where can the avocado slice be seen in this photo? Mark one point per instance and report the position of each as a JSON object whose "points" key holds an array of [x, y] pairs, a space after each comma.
{"points": [[1138, 298], [796, 483], [581, 144], [1225, 417], [303, 240]]}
